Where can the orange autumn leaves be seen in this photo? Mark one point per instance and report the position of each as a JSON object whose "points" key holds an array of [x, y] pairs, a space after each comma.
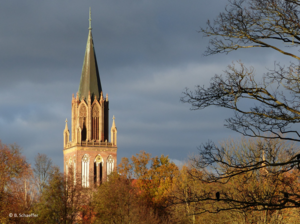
{"points": [[147, 189], [15, 192], [139, 192]]}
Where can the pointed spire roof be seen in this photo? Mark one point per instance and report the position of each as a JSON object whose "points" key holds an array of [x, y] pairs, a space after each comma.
{"points": [[113, 124], [90, 79], [66, 126]]}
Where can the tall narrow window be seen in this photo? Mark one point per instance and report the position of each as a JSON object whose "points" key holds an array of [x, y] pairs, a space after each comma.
{"points": [[95, 172], [100, 173], [110, 164], [82, 122], [85, 171], [98, 169], [95, 122]]}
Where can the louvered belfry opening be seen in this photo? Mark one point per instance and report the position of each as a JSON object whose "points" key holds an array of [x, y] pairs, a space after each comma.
{"points": [[95, 123], [83, 133], [82, 122]]}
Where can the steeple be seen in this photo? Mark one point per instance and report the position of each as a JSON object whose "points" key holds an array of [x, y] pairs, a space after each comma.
{"points": [[90, 79], [89, 153]]}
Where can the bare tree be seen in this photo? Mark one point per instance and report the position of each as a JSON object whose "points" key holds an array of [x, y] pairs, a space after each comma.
{"points": [[62, 200], [273, 103], [232, 185], [250, 24], [42, 170]]}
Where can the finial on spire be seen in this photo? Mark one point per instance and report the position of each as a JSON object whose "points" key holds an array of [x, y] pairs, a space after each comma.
{"points": [[113, 124], [90, 20], [66, 126], [66, 120]]}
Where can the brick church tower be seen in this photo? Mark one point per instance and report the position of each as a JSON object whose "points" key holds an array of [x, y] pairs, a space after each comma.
{"points": [[89, 153]]}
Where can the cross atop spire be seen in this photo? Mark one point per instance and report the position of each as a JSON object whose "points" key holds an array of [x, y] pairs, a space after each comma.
{"points": [[90, 79], [90, 20]]}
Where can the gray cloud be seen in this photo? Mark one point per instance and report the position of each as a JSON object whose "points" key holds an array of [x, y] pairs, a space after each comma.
{"points": [[147, 51]]}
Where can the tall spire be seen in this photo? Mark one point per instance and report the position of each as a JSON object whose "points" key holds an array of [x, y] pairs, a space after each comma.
{"points": [[90, 79]]}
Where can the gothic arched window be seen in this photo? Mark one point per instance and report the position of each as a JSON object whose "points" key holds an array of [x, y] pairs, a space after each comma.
{"points": [[110, 164], [82, 122], [95, 122], [98, 166], [85, 171]]}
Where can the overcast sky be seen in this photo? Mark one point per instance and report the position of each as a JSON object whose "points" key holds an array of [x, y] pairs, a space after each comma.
{"points": [[147, 51]]}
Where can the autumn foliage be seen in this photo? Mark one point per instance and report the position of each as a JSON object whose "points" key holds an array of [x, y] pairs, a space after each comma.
{"points": [[147, 189], [15, 172]]}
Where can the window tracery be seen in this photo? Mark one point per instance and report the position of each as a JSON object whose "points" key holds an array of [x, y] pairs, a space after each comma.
{"points": [[95, 122], [85, 171], [98, 165], [110, 165]]}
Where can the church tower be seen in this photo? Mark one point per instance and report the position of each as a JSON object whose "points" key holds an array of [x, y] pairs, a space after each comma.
{"points": [[89, 153]]}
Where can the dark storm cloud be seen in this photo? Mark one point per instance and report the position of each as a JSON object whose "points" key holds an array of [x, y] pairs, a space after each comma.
{"points": [[147, 51], [52, 34]]}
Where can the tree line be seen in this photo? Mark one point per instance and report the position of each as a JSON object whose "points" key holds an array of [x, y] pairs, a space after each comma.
{"points": [[147, 189]]}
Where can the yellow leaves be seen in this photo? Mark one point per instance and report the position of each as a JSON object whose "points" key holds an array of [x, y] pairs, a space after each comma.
{"points": [[154, 182], [124, 168], [139, 164]]}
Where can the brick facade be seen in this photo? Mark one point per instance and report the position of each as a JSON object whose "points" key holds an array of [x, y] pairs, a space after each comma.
{"points": [[89, 148]]}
